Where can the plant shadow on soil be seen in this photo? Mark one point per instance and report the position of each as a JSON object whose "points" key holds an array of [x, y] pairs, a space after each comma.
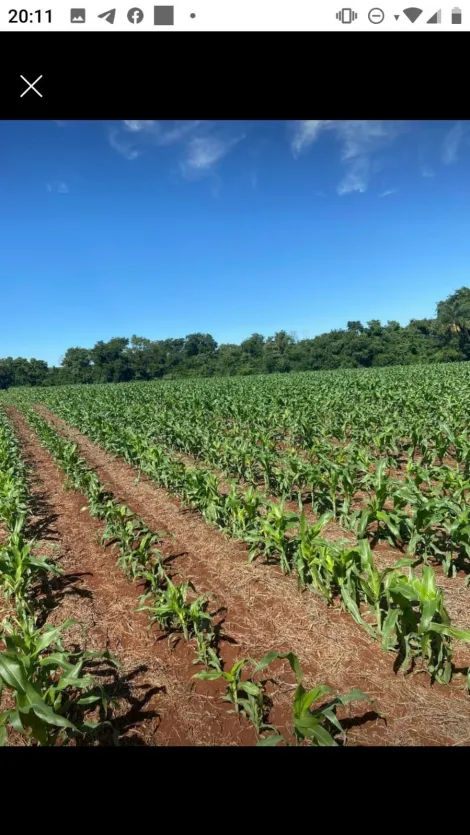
{"points": [[120, 689], [51, 592], [357, 721], [42, 528]]}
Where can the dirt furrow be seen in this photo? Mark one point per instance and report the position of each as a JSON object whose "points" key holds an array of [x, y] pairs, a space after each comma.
{"points": [[160, 704], [266, 611]]}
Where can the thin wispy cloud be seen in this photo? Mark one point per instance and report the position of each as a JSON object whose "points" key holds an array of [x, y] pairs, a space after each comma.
{"points": [[139, 125], [452, 143], [305, 133], [204, 152], [202, 148], [360, 140], [178, 132], [124, 148], [59, 187], [134, 136], [161, 133], [388, 192]]}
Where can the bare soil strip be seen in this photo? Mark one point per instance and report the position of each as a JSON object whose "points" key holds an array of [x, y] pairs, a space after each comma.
{"points": [[265, 611], [159, 703]]}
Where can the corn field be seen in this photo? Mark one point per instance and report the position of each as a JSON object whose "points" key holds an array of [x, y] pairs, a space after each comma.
{"points": [[355, 483]]}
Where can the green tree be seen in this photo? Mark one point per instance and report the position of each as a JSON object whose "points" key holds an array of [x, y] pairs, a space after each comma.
{"points": [[7, 374], [199, 343], [76, 363], [111, 365], [453, 322], [355, 326], [253, 345], [37, 372]]}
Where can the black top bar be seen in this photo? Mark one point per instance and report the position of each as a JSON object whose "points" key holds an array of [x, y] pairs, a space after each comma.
{"points": [[231, 75]]}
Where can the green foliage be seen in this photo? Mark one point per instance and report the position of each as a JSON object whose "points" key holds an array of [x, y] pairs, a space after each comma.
{"points": [[245, 695], [317, 726], [19, 569], [52, 691], [168, 604], [377, 462], [174, 611], [444, 339]]}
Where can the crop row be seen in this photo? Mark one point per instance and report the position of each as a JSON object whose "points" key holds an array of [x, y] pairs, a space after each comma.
{"points": [[386, 409], [178, 610], [46, 692], [402, 609], [425, 511]]}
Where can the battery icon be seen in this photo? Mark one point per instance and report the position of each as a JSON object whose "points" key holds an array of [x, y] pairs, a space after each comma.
{"points": [[456, 15]]}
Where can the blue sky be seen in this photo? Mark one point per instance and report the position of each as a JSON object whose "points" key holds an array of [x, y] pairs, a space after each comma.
{"points": [[167, 228]]}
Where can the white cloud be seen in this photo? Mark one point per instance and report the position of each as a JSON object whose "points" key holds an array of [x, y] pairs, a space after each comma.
{"points": [[357, 178], [452, 142], [305, 133], [147, 132], [204, 152], [122, 147], [388, 191], [161, 133], [360, 139], [202, 149], [63, 188], [178, 132], [138, 125]]}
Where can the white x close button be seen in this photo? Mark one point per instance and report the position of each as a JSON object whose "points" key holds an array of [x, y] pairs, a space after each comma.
{"points": [[31, 86]]}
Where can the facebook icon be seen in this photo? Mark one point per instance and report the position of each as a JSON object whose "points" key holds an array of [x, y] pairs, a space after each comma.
{"points": [[135, 15]]}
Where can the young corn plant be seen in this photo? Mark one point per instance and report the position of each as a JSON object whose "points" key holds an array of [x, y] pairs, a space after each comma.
{"points": [[271, 537], [19, 569], [174, 612], [418, 625], [389, 523], [308, 556], [136, 543], [246, 696], [456, 527], [317, 726], [52, 692], [373, 584], [242, 512], [13, 498], [201, 491]]}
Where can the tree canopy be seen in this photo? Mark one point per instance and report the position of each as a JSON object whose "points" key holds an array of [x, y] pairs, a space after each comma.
{"points": [[443, 339]]}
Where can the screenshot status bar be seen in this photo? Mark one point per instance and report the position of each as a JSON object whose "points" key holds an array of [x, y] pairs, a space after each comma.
{"points": [[243, 16]]}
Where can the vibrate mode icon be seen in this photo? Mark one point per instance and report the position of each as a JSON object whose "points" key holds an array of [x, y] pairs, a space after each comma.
{"points": [[346, 15]]}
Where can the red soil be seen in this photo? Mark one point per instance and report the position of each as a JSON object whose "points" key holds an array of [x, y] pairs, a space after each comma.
{"points": [[265, 611]]}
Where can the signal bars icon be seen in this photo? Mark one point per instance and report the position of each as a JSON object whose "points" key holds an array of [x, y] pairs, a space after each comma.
{"points": [[346, 15]]}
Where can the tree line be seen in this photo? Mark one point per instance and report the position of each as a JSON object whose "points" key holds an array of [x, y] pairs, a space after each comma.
{"points": [[446, 338]]}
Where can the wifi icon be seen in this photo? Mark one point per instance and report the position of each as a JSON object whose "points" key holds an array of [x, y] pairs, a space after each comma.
{"points": [[413, 13]]}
